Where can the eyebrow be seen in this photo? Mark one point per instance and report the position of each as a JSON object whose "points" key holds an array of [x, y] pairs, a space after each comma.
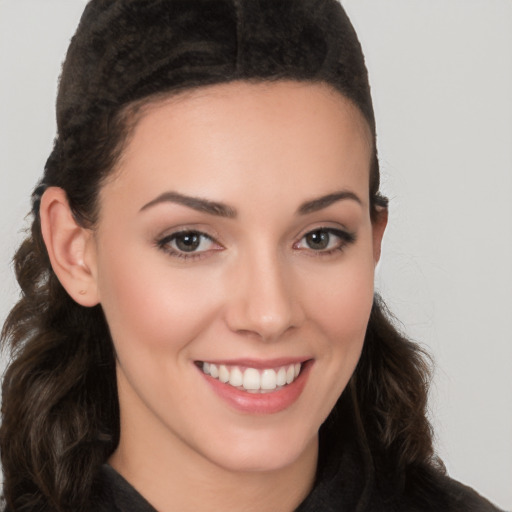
{"points": [[323, 202], [196, 203], [223, 210]]}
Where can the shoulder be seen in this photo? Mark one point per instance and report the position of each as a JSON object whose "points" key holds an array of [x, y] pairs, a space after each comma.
{"points": [[111, 493], [114, 494], [432, 490], [351, 477], [463, 498]]}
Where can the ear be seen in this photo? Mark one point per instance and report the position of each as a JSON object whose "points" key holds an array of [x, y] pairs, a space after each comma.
{"points": [[378, 227], [71, 247]]}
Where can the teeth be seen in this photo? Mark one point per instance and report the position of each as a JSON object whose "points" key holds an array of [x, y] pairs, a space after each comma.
{"points": [[214, 371], [290, 374], [223, 373], [281, 377], [251, 379], [236, 378], [268, 379]]}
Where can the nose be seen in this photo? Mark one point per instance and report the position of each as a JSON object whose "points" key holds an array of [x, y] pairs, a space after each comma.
{"points": [[263, 300]]}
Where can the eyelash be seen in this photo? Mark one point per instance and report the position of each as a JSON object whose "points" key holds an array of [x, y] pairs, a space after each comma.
{"points": [[346, 238], [164, 244]]}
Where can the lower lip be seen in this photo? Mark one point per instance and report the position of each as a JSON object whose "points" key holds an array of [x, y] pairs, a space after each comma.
{"points": [[261, 403]]}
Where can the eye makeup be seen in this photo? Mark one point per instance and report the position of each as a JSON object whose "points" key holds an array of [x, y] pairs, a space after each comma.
{"points": [[192, 244], [325, 241], [188, 244]]}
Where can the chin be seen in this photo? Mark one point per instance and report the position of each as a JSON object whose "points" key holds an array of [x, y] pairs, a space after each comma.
{"points": [[263, 451]]}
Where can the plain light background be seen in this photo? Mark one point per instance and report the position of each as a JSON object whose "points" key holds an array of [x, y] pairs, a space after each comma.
{"points": [[441, 74]]}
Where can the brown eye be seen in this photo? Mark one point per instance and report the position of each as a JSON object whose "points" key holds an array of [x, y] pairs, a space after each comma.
{"points": [[318, 240], [188, 242], [325, 240]]}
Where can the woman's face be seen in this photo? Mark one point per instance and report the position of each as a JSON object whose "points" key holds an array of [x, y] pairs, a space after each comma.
{"points": [[234, 258]]}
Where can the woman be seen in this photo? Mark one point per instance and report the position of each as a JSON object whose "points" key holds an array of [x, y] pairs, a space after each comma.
{"points": [[198, 328]]}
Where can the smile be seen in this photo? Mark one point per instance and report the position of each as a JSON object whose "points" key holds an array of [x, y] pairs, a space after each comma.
{"points": [[253, 380]]}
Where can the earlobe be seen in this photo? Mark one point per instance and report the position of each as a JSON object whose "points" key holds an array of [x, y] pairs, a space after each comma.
{"points": [[70, 247], [378, 228]]}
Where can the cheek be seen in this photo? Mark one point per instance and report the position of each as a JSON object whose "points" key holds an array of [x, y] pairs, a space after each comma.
{"points": [[339, 310], [342, 305], [150, 306]]}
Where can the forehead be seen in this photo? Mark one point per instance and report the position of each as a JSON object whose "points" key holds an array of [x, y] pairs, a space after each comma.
{"points": [[244, 137]]}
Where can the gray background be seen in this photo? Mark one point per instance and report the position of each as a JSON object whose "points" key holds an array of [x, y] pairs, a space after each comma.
{"points": [[441, 72]]}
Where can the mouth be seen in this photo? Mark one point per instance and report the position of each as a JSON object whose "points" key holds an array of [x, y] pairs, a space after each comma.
{"points": [[257, 387], [252, 380]]}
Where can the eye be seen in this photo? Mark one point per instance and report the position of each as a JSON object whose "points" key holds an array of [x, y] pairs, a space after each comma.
{"points": [[325, 240], [186, 244]]}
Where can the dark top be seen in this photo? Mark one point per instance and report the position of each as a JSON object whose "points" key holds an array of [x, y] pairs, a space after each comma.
{"points": [[332, 493], [347, 481]]}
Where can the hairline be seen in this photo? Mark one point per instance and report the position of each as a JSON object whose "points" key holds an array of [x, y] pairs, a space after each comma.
{"points": [[133, 112]]}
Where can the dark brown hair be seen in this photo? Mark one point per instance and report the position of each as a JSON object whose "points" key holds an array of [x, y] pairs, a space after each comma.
{"points": [[60, 416]]}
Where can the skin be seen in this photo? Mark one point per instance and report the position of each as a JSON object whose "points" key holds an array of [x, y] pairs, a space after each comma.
{"points": [[254, 289]]}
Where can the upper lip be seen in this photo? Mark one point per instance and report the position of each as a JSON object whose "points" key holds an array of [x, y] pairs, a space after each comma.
{"points": [[258, 363]]}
